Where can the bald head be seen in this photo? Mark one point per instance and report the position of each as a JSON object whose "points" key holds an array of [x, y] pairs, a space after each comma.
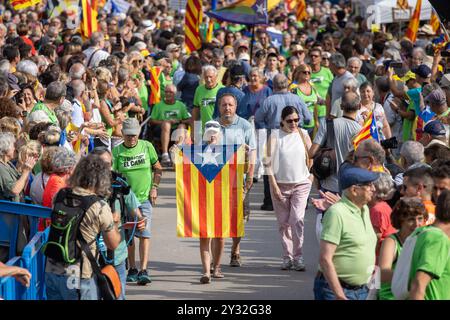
{"points": [[77, 71]]}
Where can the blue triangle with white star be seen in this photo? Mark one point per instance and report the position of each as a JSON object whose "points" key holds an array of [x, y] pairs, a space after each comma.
{"points": [[209, 159]]}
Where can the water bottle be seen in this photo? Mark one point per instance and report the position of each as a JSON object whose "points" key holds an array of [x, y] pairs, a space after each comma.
{"points": [[101, 244]]}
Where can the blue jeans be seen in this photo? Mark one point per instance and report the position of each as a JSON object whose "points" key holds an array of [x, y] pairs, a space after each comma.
{"points": [[122, 271], [146, 209], [60, 287], [322, 291]]}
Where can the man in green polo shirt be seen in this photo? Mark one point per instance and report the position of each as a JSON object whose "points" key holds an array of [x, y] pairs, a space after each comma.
{"points": [[166, 116], [430, 264], [54, 97], [205, 96], [348, 241]]}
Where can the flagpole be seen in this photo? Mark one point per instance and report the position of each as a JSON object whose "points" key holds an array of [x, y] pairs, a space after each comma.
{"points": [[251, 44]]}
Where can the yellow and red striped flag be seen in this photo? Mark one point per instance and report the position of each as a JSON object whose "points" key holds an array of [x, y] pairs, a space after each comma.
{"points": [[435, 22], [402, 4], [411, 32], [88, 18], [301, 13], [193, 20], [23, 4], [155, 89], [369, 130], [209, 187]]}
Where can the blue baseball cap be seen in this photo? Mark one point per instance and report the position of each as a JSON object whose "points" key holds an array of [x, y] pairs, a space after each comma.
{"points": [[435, 128], [351, 176], [422, 71]]}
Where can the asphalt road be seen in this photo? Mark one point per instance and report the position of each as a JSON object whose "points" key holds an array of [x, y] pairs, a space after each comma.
{"points": [[175, 267]]}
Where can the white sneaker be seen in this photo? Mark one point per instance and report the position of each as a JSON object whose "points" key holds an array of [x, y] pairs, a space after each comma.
{"points": [[165, 160], [287, 264], [299, 264]]}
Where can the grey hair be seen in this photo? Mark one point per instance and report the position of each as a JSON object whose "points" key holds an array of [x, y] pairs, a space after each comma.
{"points": [[351, 82], [29, 67], [280, 82], [258, 71], [350, 102], [78, 87], [77, 71], [412, 152], [96, 38], [7, 141], [218, 53], [374, 149], [384, 187], [55, 91], [64, 117], [338, 60], [354, 59], [92, 173], [209, 67], [5, 66], [419, 50], [63, 160]]}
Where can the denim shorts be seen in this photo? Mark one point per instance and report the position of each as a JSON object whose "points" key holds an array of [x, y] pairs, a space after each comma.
{"points": [[122, 272], [58, 287], [146, 210]]}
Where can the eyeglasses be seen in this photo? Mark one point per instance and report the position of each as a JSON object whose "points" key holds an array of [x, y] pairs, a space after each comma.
{"points": [[306, 72], [292, 120], [325, 58]]}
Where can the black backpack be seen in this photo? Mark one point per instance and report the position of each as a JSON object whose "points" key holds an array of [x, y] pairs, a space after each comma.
{"points": [[325, 163], [68, 212]]}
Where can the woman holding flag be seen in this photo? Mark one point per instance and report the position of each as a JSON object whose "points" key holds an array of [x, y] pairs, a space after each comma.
{"points": [[368, 106]]}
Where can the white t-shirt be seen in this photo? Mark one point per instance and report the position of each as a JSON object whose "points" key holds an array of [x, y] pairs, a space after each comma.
{"points": [[289, 157]]}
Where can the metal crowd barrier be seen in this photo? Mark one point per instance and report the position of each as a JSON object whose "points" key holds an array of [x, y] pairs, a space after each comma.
{"points": [[31, 259]]}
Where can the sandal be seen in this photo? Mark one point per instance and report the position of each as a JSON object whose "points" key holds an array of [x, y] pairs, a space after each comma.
{"points": [[218, 273], [205, 279]]}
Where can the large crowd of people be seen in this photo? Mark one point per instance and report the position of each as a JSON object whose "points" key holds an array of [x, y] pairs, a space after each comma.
{"points": [[73, 110]]}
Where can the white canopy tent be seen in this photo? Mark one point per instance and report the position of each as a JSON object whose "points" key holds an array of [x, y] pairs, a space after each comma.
{"points": [[381, 11]]}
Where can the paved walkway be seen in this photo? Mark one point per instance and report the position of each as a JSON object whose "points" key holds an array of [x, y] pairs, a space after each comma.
{"points": [[175, 262]]}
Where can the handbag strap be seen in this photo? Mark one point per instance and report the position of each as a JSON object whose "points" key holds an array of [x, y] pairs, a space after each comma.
{"points": [[330, 141], [304, 145], [92, 260]]}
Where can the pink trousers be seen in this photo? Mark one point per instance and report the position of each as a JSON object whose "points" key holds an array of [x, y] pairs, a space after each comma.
{"points": [[290, 212]]}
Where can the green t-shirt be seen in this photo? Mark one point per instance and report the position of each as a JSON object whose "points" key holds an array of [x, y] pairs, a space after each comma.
{"points": [[51, 114], [322, 81], [8, 178], [136, 164], [432, 255], [205, 99], [310, 101], [143, 96], [176, 111], [163, 82], [350, 228]]}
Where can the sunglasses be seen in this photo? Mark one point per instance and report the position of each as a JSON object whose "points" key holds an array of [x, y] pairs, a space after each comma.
{"points": [[212, 125], [306, 72], [292, 120], [325, 58]]}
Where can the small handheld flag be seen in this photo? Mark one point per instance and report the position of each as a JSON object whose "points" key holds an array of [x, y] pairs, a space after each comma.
{"points": [[369, 130]]}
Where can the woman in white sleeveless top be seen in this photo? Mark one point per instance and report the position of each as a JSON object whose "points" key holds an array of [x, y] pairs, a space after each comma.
{"points": [[290, 184]]}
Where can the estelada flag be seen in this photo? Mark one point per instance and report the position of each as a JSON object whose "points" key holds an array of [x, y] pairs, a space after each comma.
{"points": [[22, 4], [369, 130], [209, 187], [411, 32]]}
